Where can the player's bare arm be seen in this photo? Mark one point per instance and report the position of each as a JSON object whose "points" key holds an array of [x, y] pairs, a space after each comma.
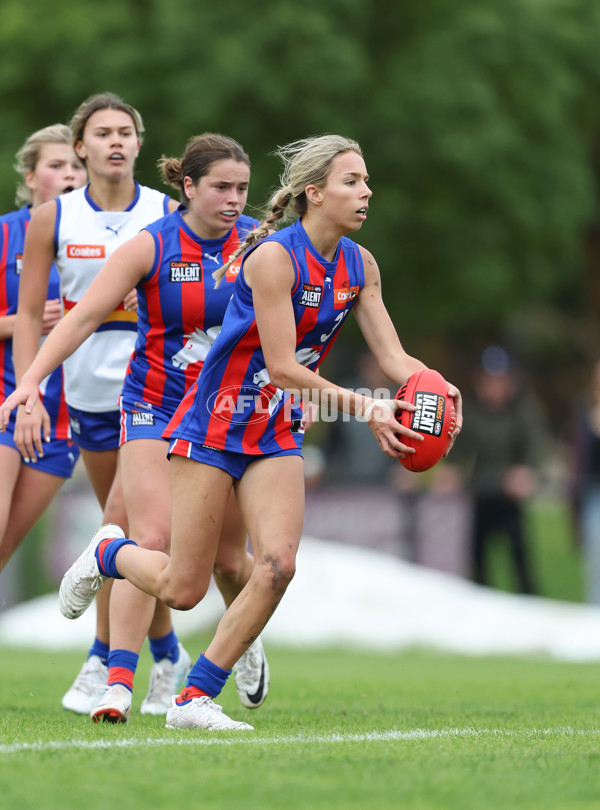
{"points": [[125, 268], [38, 254]]}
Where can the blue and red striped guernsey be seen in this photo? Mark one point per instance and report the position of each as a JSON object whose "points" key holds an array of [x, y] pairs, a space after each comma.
{"points": [[179, 310], [233, 406], [13, 227]]}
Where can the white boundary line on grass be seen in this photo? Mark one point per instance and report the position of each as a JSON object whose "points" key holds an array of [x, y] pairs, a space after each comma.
{"points": [[303, 739]]}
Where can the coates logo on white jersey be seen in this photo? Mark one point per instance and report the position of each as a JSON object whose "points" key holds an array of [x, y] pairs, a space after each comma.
{"points": [[85, 252]]}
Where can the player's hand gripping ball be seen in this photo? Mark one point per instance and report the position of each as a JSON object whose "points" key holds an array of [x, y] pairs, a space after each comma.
{"points": [[434, 419]]}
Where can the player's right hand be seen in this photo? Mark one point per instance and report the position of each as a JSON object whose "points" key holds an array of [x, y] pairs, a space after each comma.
{"points": [[32, 429], [130, 302], [380, 416], [32, 425]]}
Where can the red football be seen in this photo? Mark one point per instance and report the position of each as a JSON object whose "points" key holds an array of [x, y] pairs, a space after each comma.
{"points": [[434, 419]]}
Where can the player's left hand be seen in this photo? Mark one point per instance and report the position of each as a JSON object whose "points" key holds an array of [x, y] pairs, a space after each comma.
{"points": [[310, 412], [130, 301], [380, 416]]}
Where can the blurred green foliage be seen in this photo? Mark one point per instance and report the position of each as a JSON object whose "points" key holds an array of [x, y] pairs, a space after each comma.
{"points": [[479, 121]]}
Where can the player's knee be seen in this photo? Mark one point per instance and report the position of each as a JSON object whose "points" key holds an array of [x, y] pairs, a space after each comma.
{"points": [[183, 596], [182, 600], [155, 541], [231, 569], [278, 571]]}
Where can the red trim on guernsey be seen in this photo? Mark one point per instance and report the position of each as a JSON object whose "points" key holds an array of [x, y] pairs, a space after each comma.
{"points": [[185, 404], [308, 321], [341, 281], [123, 425], [281, 430], [296, 271], [3, 300], [155, 338], [62, 429], [306, 324], [255, 430], [193, 307], [181, 447], [235, 370], [3, 293]]}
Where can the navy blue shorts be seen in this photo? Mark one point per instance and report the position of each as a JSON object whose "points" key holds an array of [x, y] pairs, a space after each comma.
{"points": [[95, 431], [233, 463], [142, 420]]}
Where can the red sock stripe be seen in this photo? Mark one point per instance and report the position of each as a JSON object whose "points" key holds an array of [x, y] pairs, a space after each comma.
{"points": [[189, 692], [120, 675], [101, 550]]}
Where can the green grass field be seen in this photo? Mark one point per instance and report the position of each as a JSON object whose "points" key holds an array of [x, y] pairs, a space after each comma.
{"points": [[339, 730]]}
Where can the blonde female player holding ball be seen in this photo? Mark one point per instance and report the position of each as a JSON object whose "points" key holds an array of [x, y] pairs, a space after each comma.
{"points": [[285, 309]]}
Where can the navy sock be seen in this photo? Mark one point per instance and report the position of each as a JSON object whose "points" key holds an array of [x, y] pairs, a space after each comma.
{"points": [[165, 647], [106, 553], [208, 677], [100, 649]]}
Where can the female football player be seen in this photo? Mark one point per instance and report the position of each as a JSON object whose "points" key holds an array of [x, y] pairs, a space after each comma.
{"points": [[48, 167], [78, 232]]}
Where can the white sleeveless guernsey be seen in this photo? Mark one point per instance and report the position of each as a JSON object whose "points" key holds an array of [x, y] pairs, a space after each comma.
{"points": [[85, 237]]}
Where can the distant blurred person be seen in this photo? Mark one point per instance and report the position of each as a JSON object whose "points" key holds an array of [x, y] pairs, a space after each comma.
{"points": [[586, 483], [48, 166], [500, 451]]}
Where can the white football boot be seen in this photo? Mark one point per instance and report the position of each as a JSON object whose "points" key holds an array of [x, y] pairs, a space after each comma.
{"points": [[202, 712], [115, 705], [88, 687], [166, 680], [252, 676], [83, 580]]}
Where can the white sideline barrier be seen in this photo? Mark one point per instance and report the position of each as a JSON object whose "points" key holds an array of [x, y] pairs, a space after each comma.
{"points": [[355, 597]]}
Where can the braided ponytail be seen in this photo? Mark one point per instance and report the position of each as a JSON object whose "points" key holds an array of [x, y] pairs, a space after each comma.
{"points": [[306, 162]]}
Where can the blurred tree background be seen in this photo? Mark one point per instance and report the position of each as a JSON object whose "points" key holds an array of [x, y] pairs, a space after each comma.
{"points": [[479, 121]]}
